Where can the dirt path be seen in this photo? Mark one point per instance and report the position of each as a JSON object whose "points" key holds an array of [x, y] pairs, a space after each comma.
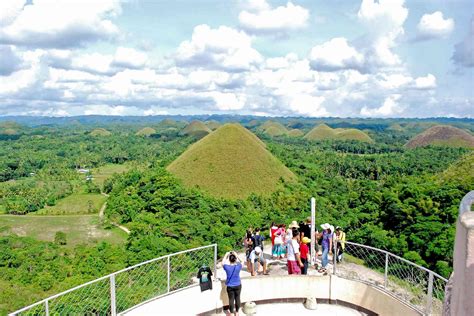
{"points": [[101, 216]]}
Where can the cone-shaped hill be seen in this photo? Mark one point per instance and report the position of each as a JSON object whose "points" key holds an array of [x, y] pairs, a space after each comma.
{"points": [[273, 129], [213, 125], [461, 171], [196, 129], [442, 135], [230, 162], [322, 132], [295, 133], [146, 131], [100, 132]]}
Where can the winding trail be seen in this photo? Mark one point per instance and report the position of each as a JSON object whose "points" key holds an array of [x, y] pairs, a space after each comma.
{"points": [[101, 215]]}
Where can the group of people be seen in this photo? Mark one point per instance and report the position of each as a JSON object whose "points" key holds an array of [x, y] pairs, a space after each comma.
{"points": [[291, 243]]}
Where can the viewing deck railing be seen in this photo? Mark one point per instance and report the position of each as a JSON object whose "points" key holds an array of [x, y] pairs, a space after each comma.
{"points": [[413, 284], [121, 290]]}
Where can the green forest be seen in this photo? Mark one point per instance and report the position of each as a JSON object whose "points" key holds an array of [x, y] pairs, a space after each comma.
{"points": [[384, 194]]}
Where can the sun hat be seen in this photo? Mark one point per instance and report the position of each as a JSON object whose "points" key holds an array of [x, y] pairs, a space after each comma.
{"points": [[325, 226], [331, 228], [294, 224], [258, 250], [338, 228], [306, 240]]}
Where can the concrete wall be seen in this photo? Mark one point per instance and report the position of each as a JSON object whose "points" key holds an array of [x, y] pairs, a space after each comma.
{"points": [[462, 295], [191, 301]]}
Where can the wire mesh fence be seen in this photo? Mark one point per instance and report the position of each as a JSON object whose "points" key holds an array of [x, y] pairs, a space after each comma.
{"points": [[129, 287], [409, 282]]}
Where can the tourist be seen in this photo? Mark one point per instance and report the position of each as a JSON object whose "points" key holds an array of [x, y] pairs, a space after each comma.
{"points": [[293, 253], [326, 244], [277, 251], [232, 268], [284, 237], [304, 250], [273, 230], [305, 228], [258, 239], [248, 244], [340, 238], [257, 259]]}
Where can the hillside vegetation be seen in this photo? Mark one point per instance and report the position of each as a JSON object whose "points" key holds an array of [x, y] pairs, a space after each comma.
{"points": [[461, 172], [231, 162], [442, 135], [324, 132], [100, 132]]}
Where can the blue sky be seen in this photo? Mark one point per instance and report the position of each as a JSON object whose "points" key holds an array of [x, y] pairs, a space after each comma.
{"points": [[347, 58]]}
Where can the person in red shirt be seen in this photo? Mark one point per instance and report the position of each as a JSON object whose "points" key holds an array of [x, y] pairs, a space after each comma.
{"points": [[304, 250], [273, 230]]}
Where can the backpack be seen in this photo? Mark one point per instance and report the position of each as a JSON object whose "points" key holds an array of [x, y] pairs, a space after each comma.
{"points": [[258, 241]]}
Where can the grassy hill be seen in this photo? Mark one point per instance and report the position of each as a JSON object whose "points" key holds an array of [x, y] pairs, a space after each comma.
{"points": [[273, 129], [230, 162], [323, 132], [295, 133], [461, 171], [213, 125], [442, 135], [146, 131], [100, 132], [196, 129]]}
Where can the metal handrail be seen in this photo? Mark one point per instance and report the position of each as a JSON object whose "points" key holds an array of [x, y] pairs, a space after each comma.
{"points": [[112, 275]]}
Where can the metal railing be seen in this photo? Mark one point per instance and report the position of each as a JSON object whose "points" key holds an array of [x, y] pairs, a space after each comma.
{"points": [[124, 289], [413, 284]]}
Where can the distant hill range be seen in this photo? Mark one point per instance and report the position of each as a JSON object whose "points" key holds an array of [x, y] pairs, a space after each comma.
{"points": [[230, 162], [324, 132], [442, 135]]}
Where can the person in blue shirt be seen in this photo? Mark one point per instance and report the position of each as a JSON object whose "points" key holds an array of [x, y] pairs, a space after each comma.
{"points": [[232, 268]]}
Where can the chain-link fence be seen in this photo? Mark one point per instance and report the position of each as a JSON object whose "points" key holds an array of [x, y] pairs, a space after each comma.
{"points": [[122, 290], [421, 288]]}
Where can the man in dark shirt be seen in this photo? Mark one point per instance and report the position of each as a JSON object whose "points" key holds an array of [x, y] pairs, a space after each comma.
{"points": [[305, 229]]}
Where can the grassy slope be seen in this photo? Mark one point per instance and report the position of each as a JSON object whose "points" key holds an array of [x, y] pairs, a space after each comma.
{"points": [[78, 228], [230, 162], [322, 132], [442, 135], [295, 133], [273, 128], [100, 132], [461, 171], [146, 131], [104, 172], [76, 203]]}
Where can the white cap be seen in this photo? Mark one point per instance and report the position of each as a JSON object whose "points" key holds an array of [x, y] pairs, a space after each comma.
{"points": [[258, 249]]}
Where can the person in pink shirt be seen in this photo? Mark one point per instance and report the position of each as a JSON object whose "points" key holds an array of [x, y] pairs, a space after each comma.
{"points": [[273, 230]]}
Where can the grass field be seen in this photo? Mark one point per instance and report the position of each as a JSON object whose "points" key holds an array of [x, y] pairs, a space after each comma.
{"points": [[106, 171], [322, 132], [76, 203], [78, 228]]}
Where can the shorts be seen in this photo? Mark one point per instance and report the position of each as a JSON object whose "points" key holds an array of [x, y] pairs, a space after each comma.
{"points": [[293, 267]]}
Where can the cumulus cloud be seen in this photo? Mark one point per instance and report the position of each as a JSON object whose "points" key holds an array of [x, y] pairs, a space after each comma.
{"points": [[74, 23], [221, 48], [335, 54], [434, 25], [264, 19], [427, 82], [464, 51], [9, 61], [384, 20], [390, 107]]}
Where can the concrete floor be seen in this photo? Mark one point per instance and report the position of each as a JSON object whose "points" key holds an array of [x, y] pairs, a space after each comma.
{"points": [[287, 309]]}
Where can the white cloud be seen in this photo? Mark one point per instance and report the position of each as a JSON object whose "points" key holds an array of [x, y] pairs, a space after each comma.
{"points": [[9, 10], [307, 105], [9, 61], [434, 26], [384, 20], [265, 19], [393, 81], [335, 54], [427, 82], [464, 51], [126, 57], [74, 23], [390, 107], [221, 48], [228, 101]]}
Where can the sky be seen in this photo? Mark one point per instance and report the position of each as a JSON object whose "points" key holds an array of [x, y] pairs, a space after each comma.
{"points": [[315, 58]]}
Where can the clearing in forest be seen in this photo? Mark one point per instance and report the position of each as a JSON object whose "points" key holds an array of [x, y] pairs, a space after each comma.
{"points": [[230, 162], [79, 229], [76, 203]]}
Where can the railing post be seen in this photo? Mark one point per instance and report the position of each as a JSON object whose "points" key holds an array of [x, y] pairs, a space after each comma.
{"points": [[215, 262], [385, 279], [46, 307], [113, 306], [169, 269], [429, 297]]}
